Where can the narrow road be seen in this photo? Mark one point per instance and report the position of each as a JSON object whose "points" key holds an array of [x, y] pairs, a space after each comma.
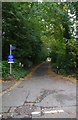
{"points": [[41, 96]]}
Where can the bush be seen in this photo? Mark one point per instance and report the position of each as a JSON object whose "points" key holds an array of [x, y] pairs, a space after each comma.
{"points": [[54, 65], [5, 69], [17, 72]]}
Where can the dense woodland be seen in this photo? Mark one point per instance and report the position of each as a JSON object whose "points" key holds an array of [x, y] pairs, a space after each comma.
{"points": [[41, 30]]}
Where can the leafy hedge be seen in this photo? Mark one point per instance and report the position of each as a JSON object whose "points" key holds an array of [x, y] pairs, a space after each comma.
{"points": [[17, 72], [63, 69]]}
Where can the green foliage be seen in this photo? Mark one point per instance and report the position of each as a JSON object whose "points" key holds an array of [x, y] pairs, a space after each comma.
{"points": [[17, 72], [65, 61], [5, 69], [22, 29], [0, 67], [40, 30]]}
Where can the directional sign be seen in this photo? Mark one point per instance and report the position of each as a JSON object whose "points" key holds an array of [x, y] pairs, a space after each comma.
{"points": [[13, 47], [10, 59]]}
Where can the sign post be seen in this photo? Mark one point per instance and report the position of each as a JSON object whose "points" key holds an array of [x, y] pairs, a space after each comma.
{"points": [[11, 58], [10, 63]]}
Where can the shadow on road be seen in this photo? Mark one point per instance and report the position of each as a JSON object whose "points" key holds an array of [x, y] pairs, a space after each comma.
{"points": [[42, 70]]}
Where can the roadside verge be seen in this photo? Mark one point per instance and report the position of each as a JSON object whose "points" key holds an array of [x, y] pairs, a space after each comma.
{"points": [[9, 85], [70, 79]]}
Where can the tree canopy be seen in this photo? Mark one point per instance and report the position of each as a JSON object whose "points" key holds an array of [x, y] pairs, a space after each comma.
{"points": [[40, 30]]}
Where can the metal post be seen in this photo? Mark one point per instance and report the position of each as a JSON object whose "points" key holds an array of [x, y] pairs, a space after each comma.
{"points": [[10, 63]]}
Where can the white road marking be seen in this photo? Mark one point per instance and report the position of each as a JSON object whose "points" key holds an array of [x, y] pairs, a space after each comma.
{"points": [[60, 110], [46, 112], [0, 115], [52, 111], [35, 113]]}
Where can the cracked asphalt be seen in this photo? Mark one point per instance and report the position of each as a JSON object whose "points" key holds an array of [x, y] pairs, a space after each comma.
{"points": [[40, 96]]}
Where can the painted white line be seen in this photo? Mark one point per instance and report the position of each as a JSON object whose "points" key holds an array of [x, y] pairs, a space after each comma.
{"points": [[35, 113], [60, 110], [0, 115], [46, 112], [54, 111]]}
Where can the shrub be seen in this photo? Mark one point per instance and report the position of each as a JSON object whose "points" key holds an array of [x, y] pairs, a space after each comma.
{"points": [[17, 71]]}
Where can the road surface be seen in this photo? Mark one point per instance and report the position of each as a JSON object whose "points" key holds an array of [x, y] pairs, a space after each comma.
{"points": [[40, 96]]}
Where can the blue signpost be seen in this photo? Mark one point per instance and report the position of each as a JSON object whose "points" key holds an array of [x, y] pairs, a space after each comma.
{"points": [[11, 57]]}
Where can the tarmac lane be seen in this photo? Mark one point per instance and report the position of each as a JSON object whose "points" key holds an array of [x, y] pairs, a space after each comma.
{"points": [[41, 71], [40, 96]]}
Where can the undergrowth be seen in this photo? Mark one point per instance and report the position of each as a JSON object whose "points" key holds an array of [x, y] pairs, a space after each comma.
{"points": [[17, 72]]}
